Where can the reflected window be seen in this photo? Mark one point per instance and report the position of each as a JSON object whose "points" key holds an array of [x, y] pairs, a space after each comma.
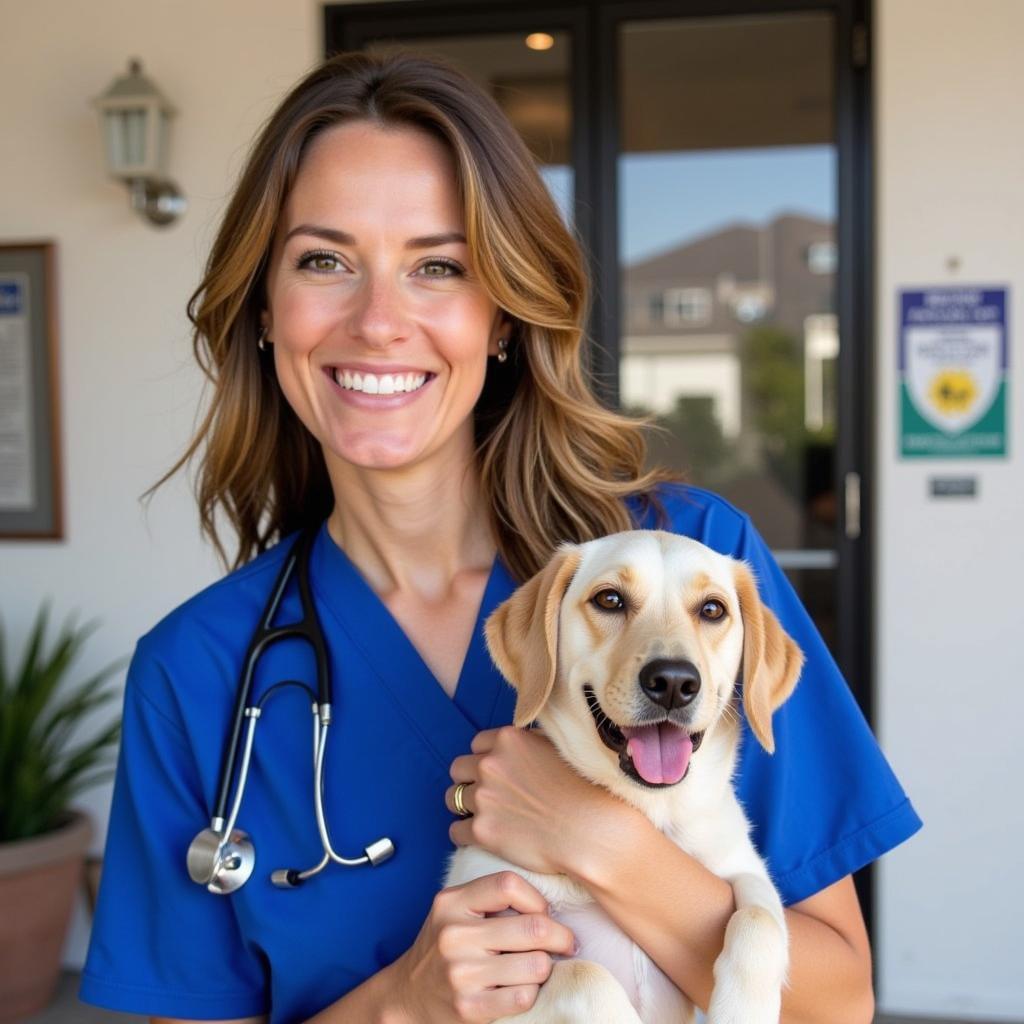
{"points": [[688, 306], [822, 258]]}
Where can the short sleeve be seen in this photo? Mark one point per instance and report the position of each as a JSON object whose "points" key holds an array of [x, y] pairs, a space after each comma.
{"points": [[826, 803], [162, 945]]}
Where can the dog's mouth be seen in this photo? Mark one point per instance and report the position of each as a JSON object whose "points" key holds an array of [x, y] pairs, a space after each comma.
{"points": [[652, 753]]}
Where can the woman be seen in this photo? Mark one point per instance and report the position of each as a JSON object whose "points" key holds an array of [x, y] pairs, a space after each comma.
{"points": [[392, 320]]}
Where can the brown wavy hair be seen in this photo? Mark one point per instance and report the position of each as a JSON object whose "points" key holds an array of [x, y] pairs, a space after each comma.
{"points": [[555, 465]]}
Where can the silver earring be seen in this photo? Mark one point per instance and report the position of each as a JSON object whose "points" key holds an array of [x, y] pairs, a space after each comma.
{"points": [[502, 345], [261, 342]]}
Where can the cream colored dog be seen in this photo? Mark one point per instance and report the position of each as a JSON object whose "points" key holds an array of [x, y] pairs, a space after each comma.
{"points": [[627, 651]]}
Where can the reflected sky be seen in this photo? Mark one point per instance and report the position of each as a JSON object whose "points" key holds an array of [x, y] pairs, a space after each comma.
{"points": [[666, 199]]}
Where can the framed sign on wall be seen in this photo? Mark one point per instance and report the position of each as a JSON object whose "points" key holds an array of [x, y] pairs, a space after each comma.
{"points": [[953, 366], [30, 465]]}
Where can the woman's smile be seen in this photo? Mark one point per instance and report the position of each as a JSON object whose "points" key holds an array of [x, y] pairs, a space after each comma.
{"points": [[380, 390]]}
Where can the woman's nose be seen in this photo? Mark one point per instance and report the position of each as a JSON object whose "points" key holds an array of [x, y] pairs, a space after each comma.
{"points": [[378, 315]]}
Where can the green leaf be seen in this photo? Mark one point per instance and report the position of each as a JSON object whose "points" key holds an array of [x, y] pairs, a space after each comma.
{"points": [[40, 711], [87, 698], [87, 755], [28, 669]]}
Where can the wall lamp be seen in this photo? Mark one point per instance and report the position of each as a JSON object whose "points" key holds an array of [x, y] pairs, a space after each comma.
{"points": [[135, 119]]}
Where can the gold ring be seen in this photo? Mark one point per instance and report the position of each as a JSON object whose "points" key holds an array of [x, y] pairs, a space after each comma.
{"points": [[460, 807]]}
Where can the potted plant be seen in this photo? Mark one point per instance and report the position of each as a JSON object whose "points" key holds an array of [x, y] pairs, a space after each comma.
{"points": [[44, 764]]}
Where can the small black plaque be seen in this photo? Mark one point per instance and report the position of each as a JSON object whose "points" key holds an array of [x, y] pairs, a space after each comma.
{"points": [[953, 486]]}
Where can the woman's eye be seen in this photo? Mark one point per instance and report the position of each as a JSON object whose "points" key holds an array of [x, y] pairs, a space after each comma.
{"points": [[609, 600], [319, 262], [441, 268], [712, 610]]}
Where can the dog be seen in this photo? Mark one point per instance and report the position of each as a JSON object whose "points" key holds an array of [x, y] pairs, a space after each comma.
{"points": [[627, 651]]}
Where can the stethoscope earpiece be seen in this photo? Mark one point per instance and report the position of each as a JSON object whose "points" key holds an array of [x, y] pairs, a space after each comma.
{"points": [[286, 878], [380, 851]]}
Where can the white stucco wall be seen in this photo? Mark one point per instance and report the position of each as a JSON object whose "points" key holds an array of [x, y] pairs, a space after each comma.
{"points": [[950, 163], [949, 86]]}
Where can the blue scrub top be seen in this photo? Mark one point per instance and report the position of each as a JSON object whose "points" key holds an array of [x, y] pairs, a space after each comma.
{"points": [[824, 805]]}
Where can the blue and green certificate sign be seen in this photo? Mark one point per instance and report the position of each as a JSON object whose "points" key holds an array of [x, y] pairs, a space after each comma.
{"points": [[953, 363]]}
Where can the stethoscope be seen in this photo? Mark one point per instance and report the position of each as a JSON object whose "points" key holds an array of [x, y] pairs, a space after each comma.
{"points": [[222, 857]]}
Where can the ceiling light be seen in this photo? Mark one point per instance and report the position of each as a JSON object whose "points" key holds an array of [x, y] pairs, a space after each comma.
{"points": [[540, 41]]}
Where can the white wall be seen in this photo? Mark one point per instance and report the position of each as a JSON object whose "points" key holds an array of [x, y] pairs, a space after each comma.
{"points": [[950, 667], [128, 384], [951, 163]]}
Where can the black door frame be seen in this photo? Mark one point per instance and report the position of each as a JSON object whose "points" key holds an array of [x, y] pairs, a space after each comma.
{"points": [[593, 26]]}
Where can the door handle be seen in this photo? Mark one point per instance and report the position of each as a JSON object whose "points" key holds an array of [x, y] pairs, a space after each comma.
{"points": [[852, 505]]}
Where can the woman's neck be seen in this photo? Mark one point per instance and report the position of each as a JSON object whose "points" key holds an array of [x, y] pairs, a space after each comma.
{"points": [[413, 531]]}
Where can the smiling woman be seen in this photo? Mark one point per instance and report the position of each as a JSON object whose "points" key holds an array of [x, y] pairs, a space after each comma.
{"points": [[392, 322]]}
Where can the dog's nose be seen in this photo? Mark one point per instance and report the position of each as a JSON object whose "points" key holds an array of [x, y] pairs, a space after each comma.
{"points": [[670, 683]]}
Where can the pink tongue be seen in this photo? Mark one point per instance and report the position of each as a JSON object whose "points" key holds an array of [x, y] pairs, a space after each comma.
{"points": [[660, 753]]}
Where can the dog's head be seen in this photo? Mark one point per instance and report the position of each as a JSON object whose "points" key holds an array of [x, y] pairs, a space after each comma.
{"points": [[627, 650]]}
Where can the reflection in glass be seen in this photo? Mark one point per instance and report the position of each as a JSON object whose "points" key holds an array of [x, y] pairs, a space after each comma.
{"points": [[729, 333]]}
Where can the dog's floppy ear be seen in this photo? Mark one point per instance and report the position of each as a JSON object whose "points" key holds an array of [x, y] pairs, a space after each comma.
{"points": [[771, 659], [522, 634]]}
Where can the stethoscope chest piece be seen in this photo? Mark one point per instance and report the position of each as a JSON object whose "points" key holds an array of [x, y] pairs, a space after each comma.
{"points": [[221, 864]]}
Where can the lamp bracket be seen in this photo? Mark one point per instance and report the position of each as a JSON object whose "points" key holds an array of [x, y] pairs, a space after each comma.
{"points": [[159, 201]]}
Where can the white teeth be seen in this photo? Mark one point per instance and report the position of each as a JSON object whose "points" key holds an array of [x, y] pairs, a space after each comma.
{"points": [[386, 384]]}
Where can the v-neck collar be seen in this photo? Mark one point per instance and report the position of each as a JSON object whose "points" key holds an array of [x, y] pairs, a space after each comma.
{"points": [[447, 723]]}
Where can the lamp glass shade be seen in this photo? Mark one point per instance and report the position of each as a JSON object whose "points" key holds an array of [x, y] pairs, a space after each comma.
{"points": [[136, 141], [135, 119]]}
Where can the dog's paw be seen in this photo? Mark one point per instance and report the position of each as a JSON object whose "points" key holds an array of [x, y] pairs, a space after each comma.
{"points": [[750, 971]]}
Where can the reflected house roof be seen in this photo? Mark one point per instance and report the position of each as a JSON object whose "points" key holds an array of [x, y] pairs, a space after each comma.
{"points": [[758, 272]]}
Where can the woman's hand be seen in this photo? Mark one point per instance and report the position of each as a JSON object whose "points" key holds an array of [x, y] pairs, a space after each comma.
{"points": [[528, 806], [465, 967]]}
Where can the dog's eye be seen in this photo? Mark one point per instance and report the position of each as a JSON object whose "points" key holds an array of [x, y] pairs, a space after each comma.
{"points": [[609, 601], [712, 610]]}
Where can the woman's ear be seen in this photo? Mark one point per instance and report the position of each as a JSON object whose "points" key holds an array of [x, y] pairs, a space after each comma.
{"points": [[522, 634], [771, 659], [503, 326]]}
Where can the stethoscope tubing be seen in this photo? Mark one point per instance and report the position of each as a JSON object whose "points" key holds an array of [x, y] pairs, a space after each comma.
{"points": [[219, 857], [307, 628]]}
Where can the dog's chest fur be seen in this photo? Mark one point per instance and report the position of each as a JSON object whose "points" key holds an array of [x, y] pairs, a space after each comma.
{"points": [[709, 838], [652, 994]]}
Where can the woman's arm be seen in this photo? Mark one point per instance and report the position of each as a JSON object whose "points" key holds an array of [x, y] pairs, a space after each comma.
{"points": [[677, 911]]}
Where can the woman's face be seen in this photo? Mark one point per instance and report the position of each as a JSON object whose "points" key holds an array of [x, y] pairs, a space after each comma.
{"points": [[380, 328]]}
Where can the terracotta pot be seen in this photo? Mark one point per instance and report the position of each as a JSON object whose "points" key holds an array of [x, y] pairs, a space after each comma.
{"points": [[39, 878]]}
